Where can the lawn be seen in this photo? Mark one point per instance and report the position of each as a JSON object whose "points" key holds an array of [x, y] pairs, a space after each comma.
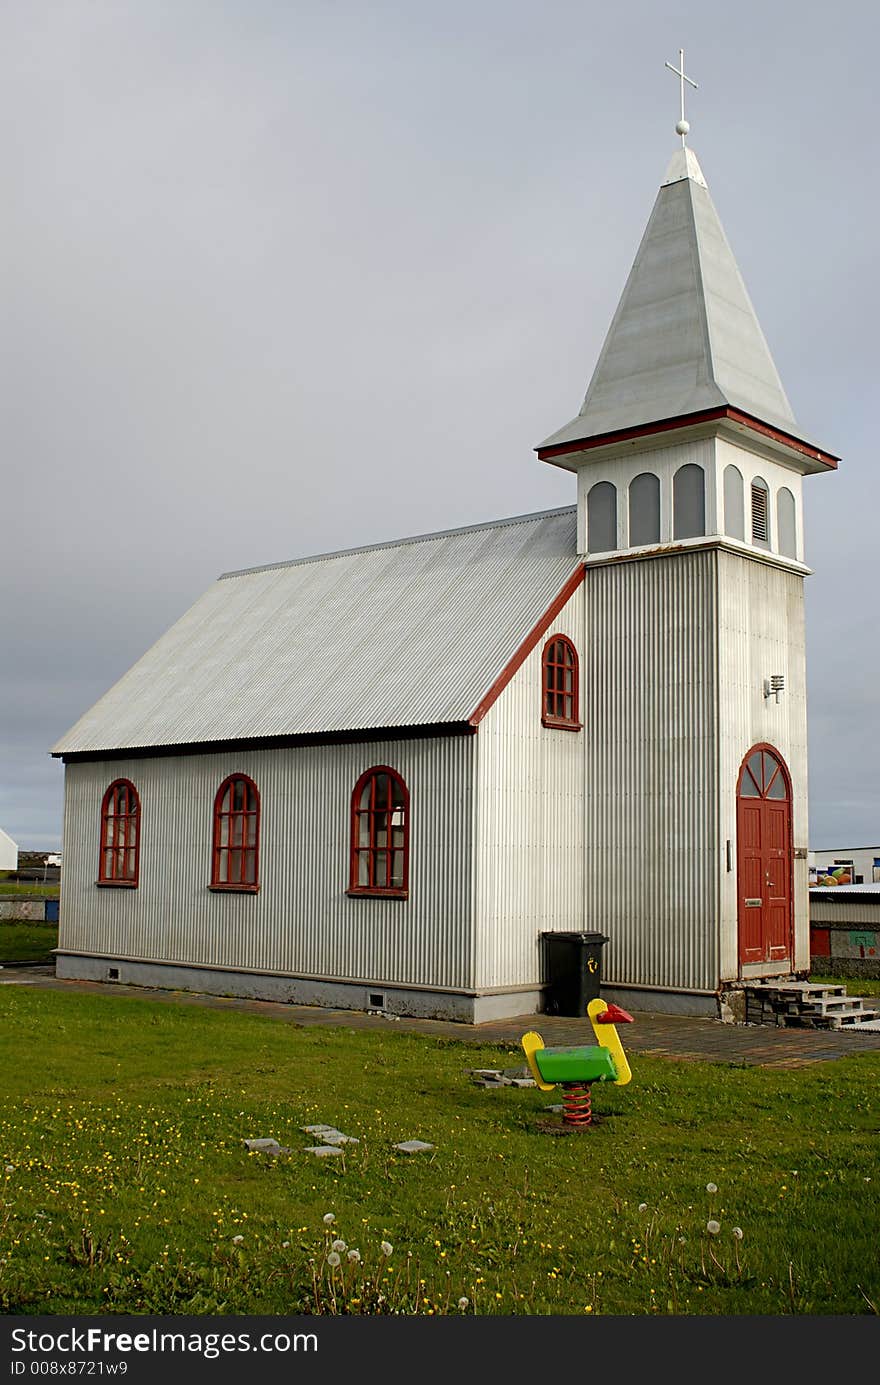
{"points": [[128, 1188], [8, 888], [27, 941]]}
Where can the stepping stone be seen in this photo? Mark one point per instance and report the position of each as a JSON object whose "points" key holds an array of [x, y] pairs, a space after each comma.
{"points": [[336, 1137], [522, 1082], [266, 1147], [324, 1151], [486, 1072], [320, 1130], [413, 1146]]}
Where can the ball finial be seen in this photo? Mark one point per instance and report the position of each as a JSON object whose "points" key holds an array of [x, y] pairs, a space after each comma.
{"points": [[682, 127]]}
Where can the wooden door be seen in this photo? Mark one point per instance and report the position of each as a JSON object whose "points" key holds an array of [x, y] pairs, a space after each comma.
{"points": [[764, 858]]}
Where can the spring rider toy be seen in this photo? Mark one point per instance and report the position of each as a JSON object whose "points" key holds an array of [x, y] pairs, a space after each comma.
{"points": [[575, 1069]]}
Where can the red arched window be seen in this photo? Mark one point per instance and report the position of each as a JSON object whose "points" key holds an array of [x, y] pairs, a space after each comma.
{"points": [[236, 854], [380, 834], [119, 860], [559, 681]]}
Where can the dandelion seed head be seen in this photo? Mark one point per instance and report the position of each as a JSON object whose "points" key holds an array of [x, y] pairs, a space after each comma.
{"points": [[643, 1206], [713, 1227], [237, 1240], [333, 1260], [354, 1256], [386, 1248], [463, 1303], [711, 1188], [328, 1218], [738, 1232], [339, 1245]]}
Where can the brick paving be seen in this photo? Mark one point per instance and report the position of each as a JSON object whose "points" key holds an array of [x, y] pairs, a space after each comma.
{"points": [[661, 1036]]}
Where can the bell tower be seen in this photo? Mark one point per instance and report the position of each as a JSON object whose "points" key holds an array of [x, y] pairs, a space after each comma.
{"points": [[690, 466]]}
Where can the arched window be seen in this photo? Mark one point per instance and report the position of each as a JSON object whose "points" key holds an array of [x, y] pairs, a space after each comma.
{"points": [[688, 502], [602, 518], [786, 523], [559, 706], [380, 834], [734, 505], [644, 509], [235, 858], [119, 861], [760, 513]]}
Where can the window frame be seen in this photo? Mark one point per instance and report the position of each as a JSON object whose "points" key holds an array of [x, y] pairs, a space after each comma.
{"points": [[111, 881], [552, 720], [356, 850], [217, 885]]}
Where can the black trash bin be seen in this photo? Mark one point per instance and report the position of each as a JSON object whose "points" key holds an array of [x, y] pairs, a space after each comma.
{"points": [[572, 971]]}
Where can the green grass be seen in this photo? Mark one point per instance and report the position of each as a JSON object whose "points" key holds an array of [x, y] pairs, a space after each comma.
{"points": [[27, 941], [10, 888], [855, 985], [127, 1187]]}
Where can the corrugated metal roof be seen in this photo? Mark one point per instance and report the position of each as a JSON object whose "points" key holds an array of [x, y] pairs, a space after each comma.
{"points": [[685, 336], [403, 634]]}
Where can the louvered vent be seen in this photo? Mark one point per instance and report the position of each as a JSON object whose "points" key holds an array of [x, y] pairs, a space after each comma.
{"points": [[760, 532]]}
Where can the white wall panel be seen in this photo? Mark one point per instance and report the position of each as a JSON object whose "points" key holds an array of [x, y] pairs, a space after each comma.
{"points": [[302, 921], [761, 632], [529, 824], [651, 844]]}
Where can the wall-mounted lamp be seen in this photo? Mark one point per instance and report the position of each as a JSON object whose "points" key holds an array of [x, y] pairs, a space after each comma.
{"points": [[774, 685]]}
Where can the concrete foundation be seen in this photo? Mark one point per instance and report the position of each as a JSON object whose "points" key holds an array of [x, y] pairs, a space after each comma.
{"points": [[415, 1002]]}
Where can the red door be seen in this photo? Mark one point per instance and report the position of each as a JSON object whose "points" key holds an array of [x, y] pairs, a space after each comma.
{"points": [[764, 867]]}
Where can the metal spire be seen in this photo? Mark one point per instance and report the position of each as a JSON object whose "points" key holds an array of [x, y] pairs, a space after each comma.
{"points": [[682, 126]]}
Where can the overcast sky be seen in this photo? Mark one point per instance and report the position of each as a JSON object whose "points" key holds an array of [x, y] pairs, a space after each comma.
{"points": [[285, 276]]}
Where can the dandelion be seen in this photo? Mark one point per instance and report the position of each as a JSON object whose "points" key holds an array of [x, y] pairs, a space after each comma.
{"points": [[354, 1256], [285, 1245], [713, 1227], [328, 1219], [386, 1248], [463, 1303], [643, 1206], [333, 1260], [338, 1245], [738, 1232], [237, 1240], [711, 1188]]}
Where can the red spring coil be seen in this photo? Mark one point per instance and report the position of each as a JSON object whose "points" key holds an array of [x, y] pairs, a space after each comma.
{"points": [[576, 1104]]}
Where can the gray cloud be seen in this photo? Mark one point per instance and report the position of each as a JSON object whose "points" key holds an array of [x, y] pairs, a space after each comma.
{"points": [[287, 278]]}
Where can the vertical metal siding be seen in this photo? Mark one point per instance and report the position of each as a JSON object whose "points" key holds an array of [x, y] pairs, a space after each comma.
{"points": [[301, 921], [651, 846], [761, 624], [528, 850]]}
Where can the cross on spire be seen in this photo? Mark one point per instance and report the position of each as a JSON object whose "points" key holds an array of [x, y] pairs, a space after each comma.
{"points": [[682, 126]]}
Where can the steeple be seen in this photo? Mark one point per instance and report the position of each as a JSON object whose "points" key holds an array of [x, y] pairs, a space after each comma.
{"points": [[685, 338]]}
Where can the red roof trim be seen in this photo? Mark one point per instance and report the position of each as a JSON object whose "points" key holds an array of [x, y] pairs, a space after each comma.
{"points": [[528, 644], [665, 425]]}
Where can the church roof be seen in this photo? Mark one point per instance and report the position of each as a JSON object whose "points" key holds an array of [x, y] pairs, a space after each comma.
{"points": [[685, 337], [396, 635]]}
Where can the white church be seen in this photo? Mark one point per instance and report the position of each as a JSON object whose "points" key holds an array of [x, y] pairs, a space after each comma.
{"points": [[374, 778]]}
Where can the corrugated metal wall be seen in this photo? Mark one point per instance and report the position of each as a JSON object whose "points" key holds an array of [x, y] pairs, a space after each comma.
{"points": [[302, 921], [761, 632], [529, 827], [651, 840]]}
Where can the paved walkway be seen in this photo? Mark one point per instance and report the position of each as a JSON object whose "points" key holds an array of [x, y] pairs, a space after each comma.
{"points": [[663, 1036]]}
